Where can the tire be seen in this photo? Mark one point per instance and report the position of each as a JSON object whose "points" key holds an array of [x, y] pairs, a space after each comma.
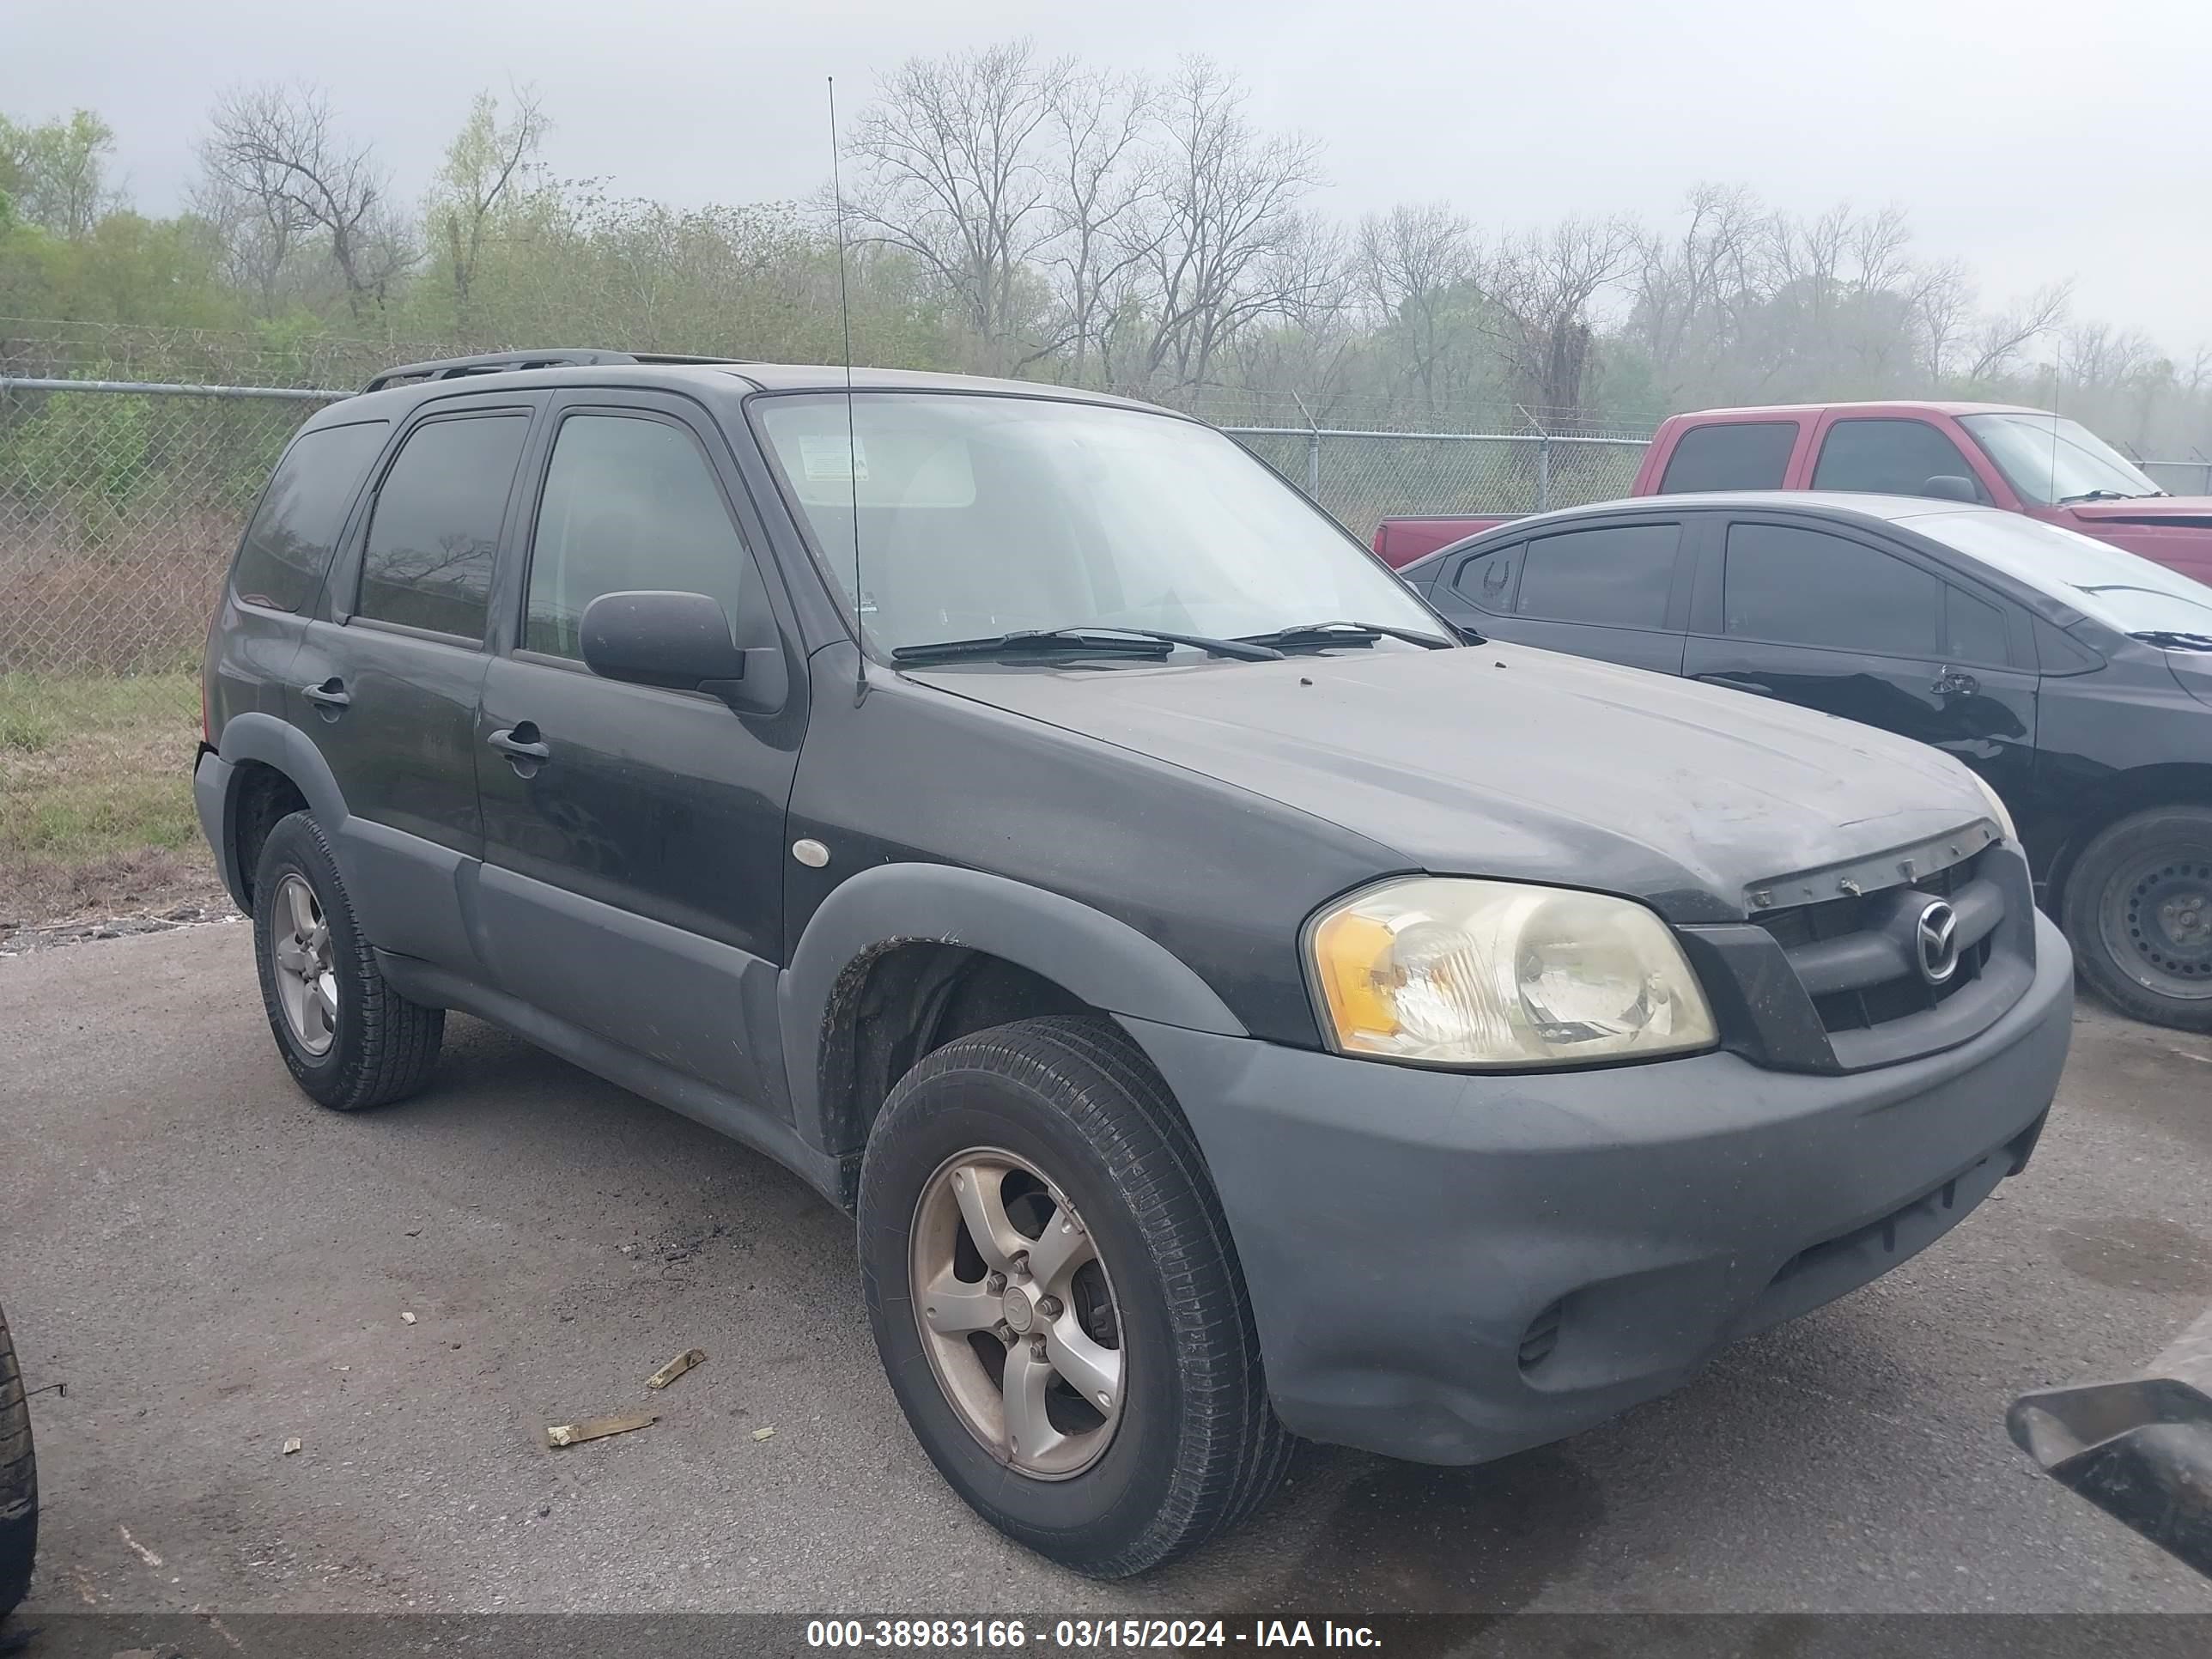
{"points": [[1070, 1105], [19, 1481], [2138, 910], [375, 1046]]}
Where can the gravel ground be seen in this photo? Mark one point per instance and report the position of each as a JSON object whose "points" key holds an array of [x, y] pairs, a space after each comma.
{"points": [[216, 1266]]}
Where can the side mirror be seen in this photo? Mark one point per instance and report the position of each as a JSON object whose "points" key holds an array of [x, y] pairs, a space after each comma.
{"points": [[1950, 487], [681, 642]]}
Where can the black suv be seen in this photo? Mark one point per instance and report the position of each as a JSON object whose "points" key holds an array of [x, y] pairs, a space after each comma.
{"points": [[2075, 677], [1234, 1005]]}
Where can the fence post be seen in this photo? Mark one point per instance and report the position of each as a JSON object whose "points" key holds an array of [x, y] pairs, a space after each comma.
{"points": [[1543, 470], [1313, 464]]}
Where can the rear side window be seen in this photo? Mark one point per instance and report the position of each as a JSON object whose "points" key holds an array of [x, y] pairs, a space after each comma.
{"points": [[1618, 576], [435, 525], [1487, 581], [1892, 458], [1973, 629], [288, 546], [1731, 455], [629, 503], [1806, 587]]}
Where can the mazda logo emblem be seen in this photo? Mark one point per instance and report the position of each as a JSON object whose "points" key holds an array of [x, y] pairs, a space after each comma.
{"points": [[1936, 938]]}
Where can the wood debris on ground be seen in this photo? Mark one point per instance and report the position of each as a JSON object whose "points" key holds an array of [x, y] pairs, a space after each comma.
{"points": [[598, 1428], [676, 1368]]}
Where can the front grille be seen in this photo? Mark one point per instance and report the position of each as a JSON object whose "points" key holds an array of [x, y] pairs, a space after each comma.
{"points": [[1853, 953]]}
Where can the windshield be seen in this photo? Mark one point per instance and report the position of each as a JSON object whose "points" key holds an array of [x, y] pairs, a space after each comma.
{"points": [[985, 515], [2126, 593], [2048, 458]]}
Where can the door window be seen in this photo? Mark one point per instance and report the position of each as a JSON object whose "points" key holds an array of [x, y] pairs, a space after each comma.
{"points": [[1891, 458], [435, 526], [1731, 455], [288, 546], [629, 503], [1617, 575], [1797, 587]]}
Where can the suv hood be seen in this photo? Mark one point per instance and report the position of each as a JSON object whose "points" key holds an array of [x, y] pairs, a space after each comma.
{"points": [[1510, 762]]}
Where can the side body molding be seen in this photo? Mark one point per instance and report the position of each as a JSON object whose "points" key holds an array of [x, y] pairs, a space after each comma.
{"points": [[1106, 962]]}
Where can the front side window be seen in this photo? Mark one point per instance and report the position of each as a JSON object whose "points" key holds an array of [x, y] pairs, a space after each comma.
{"points": [[1973, 629], [981, 515], [2052, 461], [1888, 457], [288, 546], [1615, 575], [1731, 455], [1795, 586], [629, 503], [435, 525]]}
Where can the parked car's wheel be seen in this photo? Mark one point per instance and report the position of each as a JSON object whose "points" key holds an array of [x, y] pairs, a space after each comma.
{"points": [[19, 1481], [1056, 1299], [349, 1039], [2138, 909]]}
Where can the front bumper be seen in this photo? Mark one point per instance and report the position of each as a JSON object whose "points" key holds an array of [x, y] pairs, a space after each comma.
{"points": [[1403, 1233]]}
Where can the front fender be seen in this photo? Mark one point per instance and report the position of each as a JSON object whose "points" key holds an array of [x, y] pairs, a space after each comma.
{"points": [[1105, 961]]}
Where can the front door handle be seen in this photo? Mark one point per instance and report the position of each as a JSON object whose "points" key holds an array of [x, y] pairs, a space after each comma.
{"points": [[520, 743], [1950, 681], [1738, 683], [330, 694]]}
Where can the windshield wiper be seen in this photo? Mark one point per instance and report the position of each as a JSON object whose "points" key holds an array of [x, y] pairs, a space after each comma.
{"points": [[1101, 640], [2105, 496], [1321, 634], [2167, 639]]}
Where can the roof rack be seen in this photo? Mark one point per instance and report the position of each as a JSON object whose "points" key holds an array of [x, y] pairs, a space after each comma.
{"points": [[496, 362]]}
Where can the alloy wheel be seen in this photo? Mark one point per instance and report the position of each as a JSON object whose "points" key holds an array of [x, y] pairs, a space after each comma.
{"points": [[1017, 1314], [307, 978]]}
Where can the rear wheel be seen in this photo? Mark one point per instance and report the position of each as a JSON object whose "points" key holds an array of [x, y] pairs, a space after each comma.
{"points": [[1056, 1301], [349, 1039], [18, 1479], [2138, 910]]}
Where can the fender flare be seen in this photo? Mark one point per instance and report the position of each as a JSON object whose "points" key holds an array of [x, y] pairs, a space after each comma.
{"points": [[1104, 961], [253, 736]]}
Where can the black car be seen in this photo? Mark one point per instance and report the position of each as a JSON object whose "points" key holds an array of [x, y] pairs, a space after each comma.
{"points": [[2075, 677], [1232, 1008]]}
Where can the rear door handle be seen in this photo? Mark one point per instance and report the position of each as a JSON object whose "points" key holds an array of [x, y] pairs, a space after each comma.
{"points": [[1738, 683], [520, 743], [330, 694]]}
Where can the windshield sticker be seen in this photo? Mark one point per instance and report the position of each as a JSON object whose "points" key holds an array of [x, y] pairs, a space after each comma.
{"points": [[836, 460]]}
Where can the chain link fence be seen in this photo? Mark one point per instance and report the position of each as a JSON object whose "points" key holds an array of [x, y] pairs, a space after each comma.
{"points": [[121, 500]]}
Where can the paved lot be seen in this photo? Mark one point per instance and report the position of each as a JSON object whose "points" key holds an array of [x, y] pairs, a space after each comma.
{"points": [[215, 1265]]}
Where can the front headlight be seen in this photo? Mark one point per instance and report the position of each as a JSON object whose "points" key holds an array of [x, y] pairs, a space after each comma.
{"points": [[1460, 972], [1997, 809]]}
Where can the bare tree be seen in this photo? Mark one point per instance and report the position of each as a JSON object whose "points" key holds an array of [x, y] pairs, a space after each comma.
{"points": [[277, 148], [1414, 267], [1224, 203], [483, 167], [1098, 125], [2001, 339], [1542, 287], [953, 174]]}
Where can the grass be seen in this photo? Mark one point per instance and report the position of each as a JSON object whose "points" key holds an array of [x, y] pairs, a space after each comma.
{"points": [[95, 793]]}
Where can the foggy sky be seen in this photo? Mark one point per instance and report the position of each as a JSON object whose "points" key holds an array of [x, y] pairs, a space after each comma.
{"points": [[2034, 140]]}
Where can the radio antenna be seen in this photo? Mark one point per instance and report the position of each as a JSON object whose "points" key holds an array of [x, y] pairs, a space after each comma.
{"points": [[852, 442]]}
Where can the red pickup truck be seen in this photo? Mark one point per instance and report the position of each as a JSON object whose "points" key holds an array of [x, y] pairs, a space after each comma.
{"points": [[2025, 461]]}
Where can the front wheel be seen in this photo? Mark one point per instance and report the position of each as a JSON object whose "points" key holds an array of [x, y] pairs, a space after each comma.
{"points": [[19, 1481], [2138, 908], [1056, 1300]]}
